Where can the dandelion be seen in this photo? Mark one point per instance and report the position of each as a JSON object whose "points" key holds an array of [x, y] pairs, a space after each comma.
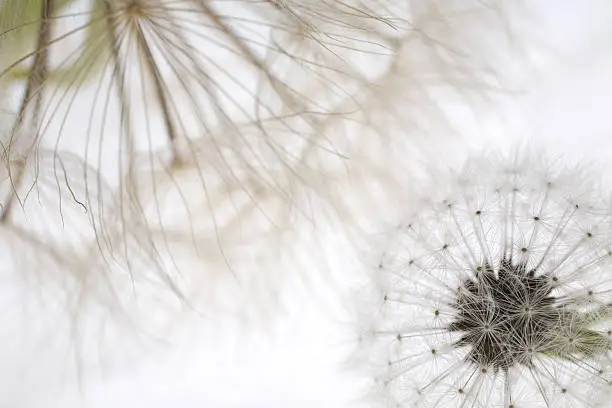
{"points": [[139, 88], [496, 291]]}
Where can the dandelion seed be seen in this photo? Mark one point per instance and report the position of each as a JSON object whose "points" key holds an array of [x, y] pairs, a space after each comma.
{"points": [[500, 292], [139, 88]]}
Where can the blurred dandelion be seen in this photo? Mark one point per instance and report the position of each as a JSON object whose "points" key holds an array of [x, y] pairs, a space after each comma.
{"points": [[148, 146], [169, 103], [495, 291]]}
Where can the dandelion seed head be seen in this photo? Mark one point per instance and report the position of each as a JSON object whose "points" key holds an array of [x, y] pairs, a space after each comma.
{"points": [[497, 291]]}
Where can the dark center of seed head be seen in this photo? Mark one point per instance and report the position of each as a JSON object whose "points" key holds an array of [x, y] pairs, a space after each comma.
{"points": [[503, 315]]}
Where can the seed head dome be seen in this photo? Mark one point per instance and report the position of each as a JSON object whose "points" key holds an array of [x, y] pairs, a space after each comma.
{"points": [[496, 291]]}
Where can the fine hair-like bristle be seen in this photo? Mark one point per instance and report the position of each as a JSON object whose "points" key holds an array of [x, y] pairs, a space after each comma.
{"points": [[495, 291]]}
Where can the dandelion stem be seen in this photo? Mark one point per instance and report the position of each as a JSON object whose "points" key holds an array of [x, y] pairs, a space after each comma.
{"points": [[36, 79], [160, 92]]}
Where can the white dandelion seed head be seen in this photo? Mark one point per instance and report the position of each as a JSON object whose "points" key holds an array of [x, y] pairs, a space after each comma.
{"points": [[496, 291]]}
